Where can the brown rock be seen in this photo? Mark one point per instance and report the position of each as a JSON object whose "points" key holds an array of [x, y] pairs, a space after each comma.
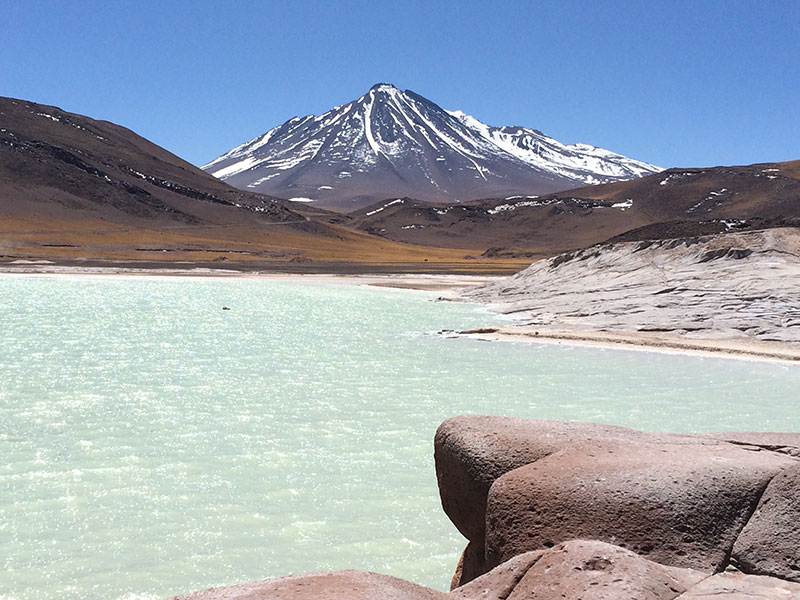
{"points": [[770, 542], [471, 452], [678, 505], [471, 565], [583, 569], [498, 583], [596, 571], [455, 580], [338, 585], [738, 586]]}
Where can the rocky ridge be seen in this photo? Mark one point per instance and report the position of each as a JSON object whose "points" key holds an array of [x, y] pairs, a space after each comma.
{"points": [[556, 510], [676, 203]]}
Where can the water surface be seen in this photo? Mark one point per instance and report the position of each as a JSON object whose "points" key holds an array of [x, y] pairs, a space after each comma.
{"points": [[154, 443]]}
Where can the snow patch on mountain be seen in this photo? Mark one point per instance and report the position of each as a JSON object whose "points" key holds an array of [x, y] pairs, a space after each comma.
{"points": [[385, 206], [587, 163]]}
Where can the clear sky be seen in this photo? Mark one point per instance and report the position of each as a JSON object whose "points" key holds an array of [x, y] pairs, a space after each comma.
{"points": [[675, 83]]}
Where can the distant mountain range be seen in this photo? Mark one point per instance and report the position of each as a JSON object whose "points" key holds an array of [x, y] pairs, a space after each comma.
{"points": [[673, 203], [75, 188], [392, 143]]}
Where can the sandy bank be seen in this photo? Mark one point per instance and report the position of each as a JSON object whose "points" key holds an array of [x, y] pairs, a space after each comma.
{"points": [[640, 340]]}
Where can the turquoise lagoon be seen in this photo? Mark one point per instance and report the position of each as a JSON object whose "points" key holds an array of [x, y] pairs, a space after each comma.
{"points": [[153, 443]]}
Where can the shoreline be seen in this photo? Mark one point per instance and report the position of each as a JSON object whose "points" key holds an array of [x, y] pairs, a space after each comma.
{"points": [[433, 282], [739, 348]]}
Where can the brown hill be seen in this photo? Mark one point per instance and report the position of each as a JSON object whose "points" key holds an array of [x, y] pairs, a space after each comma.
{"points": [[62, 164], [75, 189], [674, 203]]}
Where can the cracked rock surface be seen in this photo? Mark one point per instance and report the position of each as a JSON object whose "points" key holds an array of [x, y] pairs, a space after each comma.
{"points": [[588, 570]]}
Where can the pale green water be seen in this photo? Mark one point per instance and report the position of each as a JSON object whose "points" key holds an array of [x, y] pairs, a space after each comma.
{"points": [[153, 443]]}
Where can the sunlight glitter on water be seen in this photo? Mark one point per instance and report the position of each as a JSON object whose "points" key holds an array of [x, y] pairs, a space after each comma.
{"points": [[155, 444]]}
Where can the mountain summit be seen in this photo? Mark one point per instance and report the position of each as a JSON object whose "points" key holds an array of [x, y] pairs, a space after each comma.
{"points": [[393, 143]]}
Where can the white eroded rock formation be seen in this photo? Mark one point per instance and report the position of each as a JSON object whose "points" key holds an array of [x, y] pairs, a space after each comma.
{"points": [[725, 286]]}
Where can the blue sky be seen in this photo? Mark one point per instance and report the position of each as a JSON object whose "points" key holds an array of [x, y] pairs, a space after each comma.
{"points": [[674, 83]]}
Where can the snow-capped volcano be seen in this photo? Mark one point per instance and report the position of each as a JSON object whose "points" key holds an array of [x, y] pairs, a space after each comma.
{"points": [[393, 143]]}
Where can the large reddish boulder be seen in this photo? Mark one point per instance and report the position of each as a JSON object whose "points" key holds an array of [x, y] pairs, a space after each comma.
{"points": [[596, 571], [337, 585], [770, 542], [471, 452], [678, 505], [579, 510]]}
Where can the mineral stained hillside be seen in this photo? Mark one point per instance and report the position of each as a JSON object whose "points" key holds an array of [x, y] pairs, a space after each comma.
{"points": [[391, 143], [567, 510], [725, 286], [670, 204]]}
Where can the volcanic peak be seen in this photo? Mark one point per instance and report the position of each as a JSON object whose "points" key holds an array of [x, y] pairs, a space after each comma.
{"points": [[393, 143]]}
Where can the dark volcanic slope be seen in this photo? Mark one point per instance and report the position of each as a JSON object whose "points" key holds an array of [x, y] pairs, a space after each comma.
{"points": [[58, 165], [396, 143], [767, 190], [674, 203]]}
